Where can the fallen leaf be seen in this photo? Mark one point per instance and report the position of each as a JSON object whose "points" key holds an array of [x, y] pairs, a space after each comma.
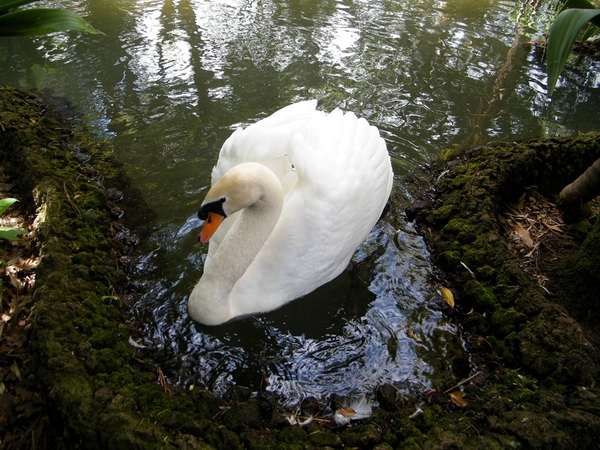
{"points": [[448, 296], [457, 399], [15, 369], [523, 234], [554, 228], [411, 334], [14, 280]]}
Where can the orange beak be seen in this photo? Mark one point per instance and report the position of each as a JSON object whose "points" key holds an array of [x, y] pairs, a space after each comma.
{"points": [[210, 226]]}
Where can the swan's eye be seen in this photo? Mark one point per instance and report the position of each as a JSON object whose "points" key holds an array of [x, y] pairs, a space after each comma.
{"points": [[214, 207]]}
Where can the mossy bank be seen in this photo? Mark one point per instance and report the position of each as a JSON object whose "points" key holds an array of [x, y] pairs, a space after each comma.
{"points": [[537, 371]]}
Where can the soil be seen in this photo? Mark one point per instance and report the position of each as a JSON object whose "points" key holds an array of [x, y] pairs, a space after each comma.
{"points": [[70, 378]]}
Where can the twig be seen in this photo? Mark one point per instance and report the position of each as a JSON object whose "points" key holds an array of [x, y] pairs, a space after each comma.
{"points": [[466, 380], [163, 381], [75, 208], [468, 270]]}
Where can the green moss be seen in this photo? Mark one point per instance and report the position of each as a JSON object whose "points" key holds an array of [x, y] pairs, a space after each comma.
{"points": [[481, 295], [509, 349], [486, 272], [510, 323], [325, 438], [442, 214], [429, 418], [363, 436], [292, 438], [242, 416], [450, 259], [507, 321]]}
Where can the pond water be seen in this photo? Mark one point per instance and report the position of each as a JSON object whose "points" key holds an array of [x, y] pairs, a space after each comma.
{"points": [[170, 79]]}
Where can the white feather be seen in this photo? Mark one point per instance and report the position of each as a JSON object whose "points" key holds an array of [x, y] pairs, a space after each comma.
{"points": [[336, 177]]}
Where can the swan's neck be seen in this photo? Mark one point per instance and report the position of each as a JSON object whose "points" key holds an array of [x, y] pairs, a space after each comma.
{"points": [[209, 302]]}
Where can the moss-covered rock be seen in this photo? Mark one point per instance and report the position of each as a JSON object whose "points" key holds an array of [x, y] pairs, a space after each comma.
{"points": [[509, 322], [100, 386]]}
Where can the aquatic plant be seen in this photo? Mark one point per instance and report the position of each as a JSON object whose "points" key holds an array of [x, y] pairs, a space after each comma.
{"points": [[564, 31], [38, 21]]}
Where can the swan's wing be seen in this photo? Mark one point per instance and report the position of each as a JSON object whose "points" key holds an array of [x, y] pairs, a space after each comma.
{"points": [[344, 178], [268, 142]]}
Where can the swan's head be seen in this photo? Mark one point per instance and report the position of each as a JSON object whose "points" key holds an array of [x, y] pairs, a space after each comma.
{"points": [[242, 186]]}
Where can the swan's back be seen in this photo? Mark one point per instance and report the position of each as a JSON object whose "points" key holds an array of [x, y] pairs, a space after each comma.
{"points": [[337, 174]]}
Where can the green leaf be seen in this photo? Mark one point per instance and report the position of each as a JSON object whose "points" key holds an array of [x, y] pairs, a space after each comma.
{"points": [[5, 203], [561, 37], [585, 4], [11, 233], [581, 4], [581, 227], [5, 5], [590, 31], [35, 22]]}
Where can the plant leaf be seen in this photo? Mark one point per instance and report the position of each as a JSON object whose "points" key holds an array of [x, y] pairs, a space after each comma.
{"points": [[561, 37], [457, 398], [5, 203], [591, 30], [581, 227], [5, 5], [523, 234], [35, 22], [11, 233], [581, 4], [448, 296]]}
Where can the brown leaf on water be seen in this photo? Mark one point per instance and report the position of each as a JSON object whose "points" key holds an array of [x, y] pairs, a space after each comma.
{"points": [[411, 334]]}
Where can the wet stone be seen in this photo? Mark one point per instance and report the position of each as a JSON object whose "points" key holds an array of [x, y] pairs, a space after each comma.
{"points": [[114, 195], [311, 406], [386, 396]]}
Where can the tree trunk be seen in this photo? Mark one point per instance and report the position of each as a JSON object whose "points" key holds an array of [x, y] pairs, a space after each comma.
{"points": [[583, 189]]}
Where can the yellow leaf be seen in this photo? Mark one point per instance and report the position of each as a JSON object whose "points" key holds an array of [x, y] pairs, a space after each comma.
{"points": [[457, 399], [448, 296]]}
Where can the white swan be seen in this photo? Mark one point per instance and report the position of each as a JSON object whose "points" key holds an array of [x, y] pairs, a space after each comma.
{"points": [[296, 193]]}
